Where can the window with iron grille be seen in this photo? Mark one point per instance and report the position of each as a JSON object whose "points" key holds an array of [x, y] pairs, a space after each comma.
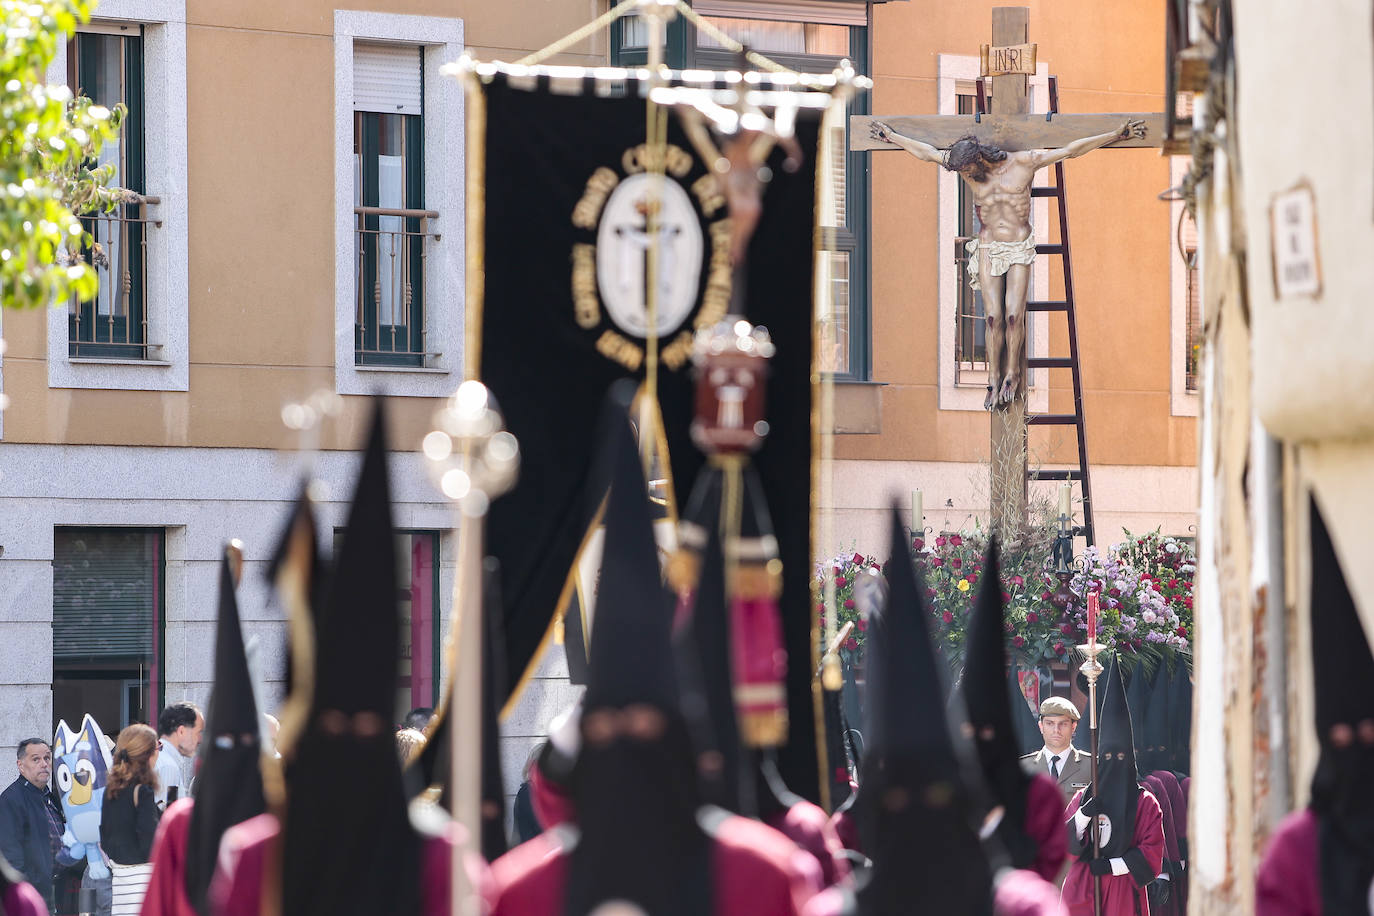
{"points": [[815, 45], [970, 338], [108, 69], [392, 225]]}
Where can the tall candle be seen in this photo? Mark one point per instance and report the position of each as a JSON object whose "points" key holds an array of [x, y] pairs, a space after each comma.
{"points": [[918, 514], [1092, 617], [1065, 502]]}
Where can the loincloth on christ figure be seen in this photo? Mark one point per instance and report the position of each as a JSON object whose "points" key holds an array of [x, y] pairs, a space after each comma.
{"points": [[1000, 255]]}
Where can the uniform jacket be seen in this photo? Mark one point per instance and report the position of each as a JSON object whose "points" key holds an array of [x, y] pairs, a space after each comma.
{"points": [[1075, 771]]}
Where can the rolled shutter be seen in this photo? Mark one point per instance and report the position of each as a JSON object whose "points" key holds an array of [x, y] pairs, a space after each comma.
{"points": [[387, 78], [106, 591]]}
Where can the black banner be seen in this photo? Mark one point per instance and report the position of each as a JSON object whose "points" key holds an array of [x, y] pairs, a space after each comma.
{"points": [[563, 319]]}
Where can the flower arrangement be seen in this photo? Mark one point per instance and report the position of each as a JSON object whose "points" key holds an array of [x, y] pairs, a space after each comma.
{"points": [[1145, 584]]}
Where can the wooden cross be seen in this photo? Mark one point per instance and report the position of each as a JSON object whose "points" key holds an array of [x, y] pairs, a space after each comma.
{"points": [[1011, 127]]}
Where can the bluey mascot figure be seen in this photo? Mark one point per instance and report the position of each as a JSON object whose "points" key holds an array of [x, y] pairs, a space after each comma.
{"points": [[81, 763]]}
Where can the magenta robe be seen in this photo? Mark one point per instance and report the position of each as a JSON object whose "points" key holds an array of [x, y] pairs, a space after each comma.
{"points": [[22, 900], [167, 888], [1287, 883], [237, 887], [847, 830], [757, 872], [1173, 906], [1018, 893], [1177, 801], [807, 825], [1121, 896], [1045, 825]]}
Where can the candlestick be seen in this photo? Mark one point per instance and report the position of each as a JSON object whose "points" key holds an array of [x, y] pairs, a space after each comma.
{"points": [[1092, 616], [918, 513], [1065, 504]]}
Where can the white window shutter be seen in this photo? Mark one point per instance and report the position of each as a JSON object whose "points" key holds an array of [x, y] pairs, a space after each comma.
{"points": [[387, 78]]}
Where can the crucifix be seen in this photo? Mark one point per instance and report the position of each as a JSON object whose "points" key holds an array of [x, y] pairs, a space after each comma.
{"points": [[997, 156]]}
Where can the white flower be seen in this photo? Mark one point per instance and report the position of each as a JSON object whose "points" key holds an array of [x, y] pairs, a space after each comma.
{"points": [[1171, 548], [1148, 617]]}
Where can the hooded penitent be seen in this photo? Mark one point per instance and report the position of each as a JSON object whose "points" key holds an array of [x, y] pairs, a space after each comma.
{"points": [[989, 713], [1180, 704], [913, 808], [229, 788], [1116, 792], [1343, 674], [347, 845], [1152, 737], [634, 783]]}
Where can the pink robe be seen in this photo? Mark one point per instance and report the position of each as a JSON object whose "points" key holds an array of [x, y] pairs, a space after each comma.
{"points": [[1287, 883], [1172, 908], [1018, 893], [1045, 826], [167, 888], [757, 872], [807, 825], [245, 850], [1121, 896], [22, 900]]}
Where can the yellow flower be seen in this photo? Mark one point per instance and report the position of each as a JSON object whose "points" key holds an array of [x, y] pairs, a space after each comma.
{"points": [[963, 585]]}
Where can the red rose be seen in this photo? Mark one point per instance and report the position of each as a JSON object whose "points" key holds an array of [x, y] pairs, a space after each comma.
{"points": [[940, 541], [1182, 631], [849, 602], [1173, 583], [1066, 629], [956, 541], [838, 570], [858, 559], [851, 644], [1017, 580], [1045, 596], [956, 562], [930, 593], [1188, 602], [947, 617], [1006, 595], [840, 581], [861, 625], [918, 544], [1032, 617], [937, 562], [1018, 641], [972, 578], [1059, 648], [1115, 592]]}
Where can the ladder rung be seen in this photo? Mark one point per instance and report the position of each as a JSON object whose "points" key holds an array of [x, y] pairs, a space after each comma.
{"points": [[1048, 190], [1052, 419], [1049, 249], [1049, 362], [1047, 305], [1054, 475]]}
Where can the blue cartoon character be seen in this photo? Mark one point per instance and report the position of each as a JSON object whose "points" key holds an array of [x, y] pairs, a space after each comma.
{"points": [[80, 764]]}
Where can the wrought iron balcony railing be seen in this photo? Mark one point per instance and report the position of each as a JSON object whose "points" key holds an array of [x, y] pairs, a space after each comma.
{"points": [[114, 325], [390, 320]]}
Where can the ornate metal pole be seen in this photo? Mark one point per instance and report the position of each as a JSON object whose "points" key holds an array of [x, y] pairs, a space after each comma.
{"points": [[1092, 670]]}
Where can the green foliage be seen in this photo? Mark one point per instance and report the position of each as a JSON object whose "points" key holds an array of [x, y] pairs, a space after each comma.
{"points": [[48, 147]]}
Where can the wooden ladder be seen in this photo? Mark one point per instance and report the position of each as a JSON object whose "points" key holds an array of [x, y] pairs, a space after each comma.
{"points": [[1070, 362]]}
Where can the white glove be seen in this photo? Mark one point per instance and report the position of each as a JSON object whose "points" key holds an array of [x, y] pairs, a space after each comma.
{"points": [[1118, 865], [1080, 826]]}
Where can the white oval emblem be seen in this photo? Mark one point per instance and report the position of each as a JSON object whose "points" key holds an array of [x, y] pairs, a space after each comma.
{"points": [[622, 246]]}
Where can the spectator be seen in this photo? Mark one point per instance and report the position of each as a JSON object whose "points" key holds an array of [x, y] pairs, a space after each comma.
{"points": [[31, 820], [128, 820], [409, 743], [526, 825], [419, 718], [179, 727]]}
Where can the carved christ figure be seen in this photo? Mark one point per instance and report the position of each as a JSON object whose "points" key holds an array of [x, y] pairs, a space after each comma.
{"points": [[1000, 258]]}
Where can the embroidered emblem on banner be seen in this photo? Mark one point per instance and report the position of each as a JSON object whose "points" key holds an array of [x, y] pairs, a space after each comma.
{"points": [[610, 271]]}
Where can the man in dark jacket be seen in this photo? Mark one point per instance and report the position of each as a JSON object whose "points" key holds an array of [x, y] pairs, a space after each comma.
{"points": [[31, 821]]}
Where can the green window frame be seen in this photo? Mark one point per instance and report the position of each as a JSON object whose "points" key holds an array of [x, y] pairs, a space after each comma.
{"points": [[389, 327], [850, 242], [109, 70]]}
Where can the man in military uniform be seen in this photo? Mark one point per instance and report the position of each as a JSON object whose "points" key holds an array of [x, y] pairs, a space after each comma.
{"points": [[1066, 764]]}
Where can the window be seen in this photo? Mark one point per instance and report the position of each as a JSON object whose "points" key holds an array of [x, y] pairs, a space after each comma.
{"points": [[388, 193], [815, 44], [108, 604], [108, 69], [399, 240], [134, 336], [1185, 293], [971, 336], [417, 579]]}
